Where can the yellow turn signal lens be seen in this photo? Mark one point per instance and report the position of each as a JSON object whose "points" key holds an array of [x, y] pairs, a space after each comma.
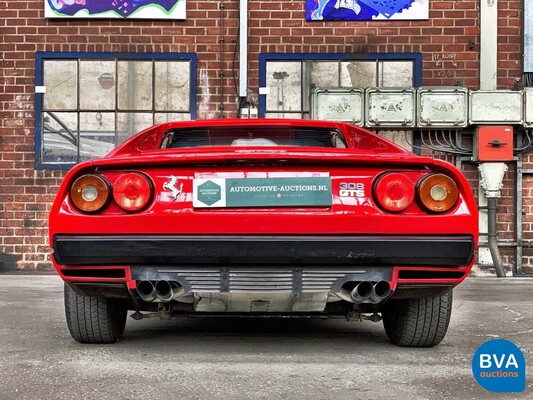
{"points": [[90, 193], [437, 192]]}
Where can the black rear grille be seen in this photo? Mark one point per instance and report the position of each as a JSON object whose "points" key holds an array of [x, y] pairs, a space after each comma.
{"points": [[190, 138], [276, 136]]}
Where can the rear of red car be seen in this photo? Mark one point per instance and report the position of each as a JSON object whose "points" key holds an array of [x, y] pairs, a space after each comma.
{"points": [[265, 217]]}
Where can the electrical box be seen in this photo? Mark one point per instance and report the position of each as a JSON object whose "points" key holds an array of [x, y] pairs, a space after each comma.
{"points": [[249, 112], [528, 107], [445, 107], [390, 107], [493, 143], [496, 107], [338, 104]]}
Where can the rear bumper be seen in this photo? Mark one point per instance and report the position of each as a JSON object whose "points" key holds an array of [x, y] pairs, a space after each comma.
{"points": [[324, 251]]}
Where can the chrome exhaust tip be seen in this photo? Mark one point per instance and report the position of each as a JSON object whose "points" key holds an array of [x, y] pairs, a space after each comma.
{"points": [[380, 291], [361, 292], [168, 290], [146, 290]]}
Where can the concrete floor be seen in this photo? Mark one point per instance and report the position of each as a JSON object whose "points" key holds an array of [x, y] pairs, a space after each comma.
{"points": [[251, 359]]}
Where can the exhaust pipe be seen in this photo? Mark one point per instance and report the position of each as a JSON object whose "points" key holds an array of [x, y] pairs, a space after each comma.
{"points": [[380, 291], [361, 292], [146, 290], [168, 290]]}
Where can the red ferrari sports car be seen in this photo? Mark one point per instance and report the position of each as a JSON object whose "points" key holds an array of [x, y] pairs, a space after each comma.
{"points": [[263, 217]]}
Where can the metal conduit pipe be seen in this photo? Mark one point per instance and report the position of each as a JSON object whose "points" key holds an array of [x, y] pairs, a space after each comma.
{"points": [[493, 237], [243, 48], [222, 44]]}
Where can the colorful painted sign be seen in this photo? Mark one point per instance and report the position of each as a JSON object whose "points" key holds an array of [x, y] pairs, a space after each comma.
{"points": [[366, 10], [124, 9]]}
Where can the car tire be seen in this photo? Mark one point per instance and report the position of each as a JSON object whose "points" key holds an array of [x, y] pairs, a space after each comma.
{"points": [[418, 322], [94, 319]]}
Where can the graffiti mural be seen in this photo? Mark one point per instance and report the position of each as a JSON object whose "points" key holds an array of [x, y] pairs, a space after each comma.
{"points": [[366, 10], [130, 9]]}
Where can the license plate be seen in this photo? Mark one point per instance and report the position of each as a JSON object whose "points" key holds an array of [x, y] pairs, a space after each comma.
{"points": [[262, 192]]}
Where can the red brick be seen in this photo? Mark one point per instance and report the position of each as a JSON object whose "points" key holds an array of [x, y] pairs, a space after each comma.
{"points": [[26, 194]]}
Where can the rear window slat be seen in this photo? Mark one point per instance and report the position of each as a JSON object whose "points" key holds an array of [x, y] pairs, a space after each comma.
{"points": [[255, 136]]}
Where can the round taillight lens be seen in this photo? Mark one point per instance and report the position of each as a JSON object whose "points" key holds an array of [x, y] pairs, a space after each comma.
{"points": [[437, 192], [90, 193], [394, 192], [132, 191]]}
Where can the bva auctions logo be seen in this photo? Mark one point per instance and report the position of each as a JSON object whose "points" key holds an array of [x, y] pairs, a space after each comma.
{"points": [[499, 366]]}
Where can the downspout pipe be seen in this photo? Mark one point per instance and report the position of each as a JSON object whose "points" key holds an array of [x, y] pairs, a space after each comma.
{"points": [[243, 48], [492, 209], [222, 44], [492, 174], [488, 55], [488, 80]]}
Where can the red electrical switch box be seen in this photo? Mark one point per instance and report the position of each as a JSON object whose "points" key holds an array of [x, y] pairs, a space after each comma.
{"points": [[494, 143]]}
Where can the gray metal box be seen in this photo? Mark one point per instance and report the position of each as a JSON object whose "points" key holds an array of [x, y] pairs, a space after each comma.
{"points": [[528, 107], [442, 107], [390, 107], [496, 107], [338, 104]]}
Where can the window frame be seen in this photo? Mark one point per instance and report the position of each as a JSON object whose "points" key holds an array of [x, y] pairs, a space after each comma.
{"points": [[42, 56], [264, 58]]}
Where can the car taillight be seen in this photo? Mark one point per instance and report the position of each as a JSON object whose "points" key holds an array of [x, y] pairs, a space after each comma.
{"points": [[90, 193], [437, 192], [394, 192], [132, 191]]}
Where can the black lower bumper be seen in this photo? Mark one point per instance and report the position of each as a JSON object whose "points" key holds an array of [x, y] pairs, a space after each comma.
{"points": [[70, 250]]}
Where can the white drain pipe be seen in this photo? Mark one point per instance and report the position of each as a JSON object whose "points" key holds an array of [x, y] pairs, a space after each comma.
{"points": [[243, 48], [492, 174], [488, 57], [488, 80]]}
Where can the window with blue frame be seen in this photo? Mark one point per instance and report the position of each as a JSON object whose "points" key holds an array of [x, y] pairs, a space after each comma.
{"points": [[287, 80], [87, 103]]}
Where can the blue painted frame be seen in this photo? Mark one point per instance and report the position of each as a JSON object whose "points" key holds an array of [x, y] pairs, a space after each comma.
{"points": [[40, 56], [416, 58]]}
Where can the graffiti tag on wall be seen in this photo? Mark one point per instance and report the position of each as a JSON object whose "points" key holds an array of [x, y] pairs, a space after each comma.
{"points": [[366, 10], [130, 9]]}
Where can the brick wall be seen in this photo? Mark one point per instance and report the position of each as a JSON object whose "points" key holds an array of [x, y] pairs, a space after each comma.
{"points": [[449, 41]]}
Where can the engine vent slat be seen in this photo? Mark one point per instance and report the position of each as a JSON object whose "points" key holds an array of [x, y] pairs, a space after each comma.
{"points": [[261, 280]]}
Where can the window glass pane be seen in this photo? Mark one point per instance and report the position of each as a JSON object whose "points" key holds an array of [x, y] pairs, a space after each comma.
{"points": [[283, 115], [284, 80], [172, 86], [92, 104], [359, 74], [167, 117], [60, 137], [396, 73], [134, 85], [319, 74], [130, 123], [60, 79], [97, 85], [97, 134], [323, 73], [402, 138]]}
